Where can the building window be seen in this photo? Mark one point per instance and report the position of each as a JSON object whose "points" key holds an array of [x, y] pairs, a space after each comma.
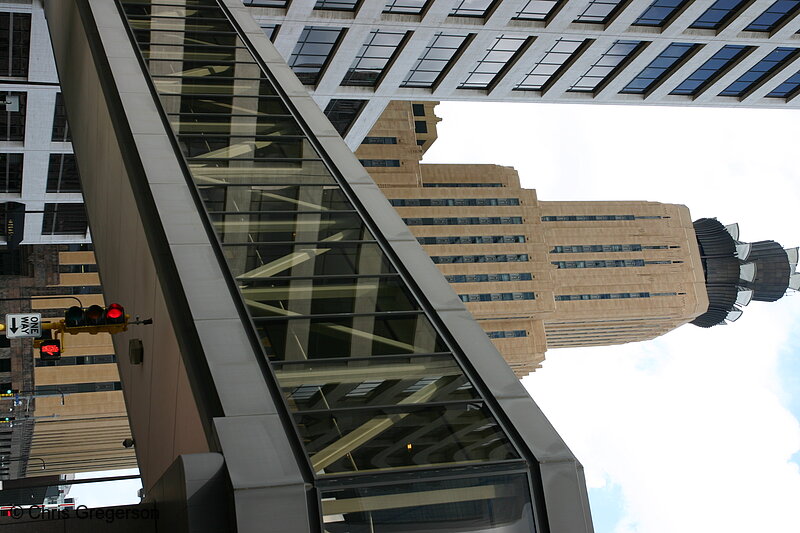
{"points": [[79, 360], [659, 13], [337, 5], [5, 365], [64, 219], [605, 67], [771, 63], [448, 202], [373, 57], [379, 140], [465, 184], [15, 44], [460, 221], [599, 11], [313, 51], [473, 239], [12, 116], [380, 162], [550, 66], [75, 388], [482, 278], [418, 110], [497, 297], [726, 57], [584, 248], [11, 173], [659, 68], [593, 218], [420, 126], [774, 16], [600, 263], [266, 3], [270, 30], [536, 10], [718, 14], [61, 131], [471, 8], [77, 269], [435, 59], [509, 334], [492, 258], [342, 113], [62, 174], [408, 7], [490, 67], [786, 89], [610, 296]]}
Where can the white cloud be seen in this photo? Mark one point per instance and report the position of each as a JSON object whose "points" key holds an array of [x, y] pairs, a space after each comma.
{"points": [[694, 427]]}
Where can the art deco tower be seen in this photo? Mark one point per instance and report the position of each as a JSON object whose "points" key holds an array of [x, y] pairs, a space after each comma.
{"points": [[539, 274]]}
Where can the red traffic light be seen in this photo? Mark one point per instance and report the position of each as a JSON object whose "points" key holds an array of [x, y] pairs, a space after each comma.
{"points": [[50, 350], [115, 313]]}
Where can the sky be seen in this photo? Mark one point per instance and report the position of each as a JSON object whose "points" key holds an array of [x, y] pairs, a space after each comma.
{"points": [[698, 430]]}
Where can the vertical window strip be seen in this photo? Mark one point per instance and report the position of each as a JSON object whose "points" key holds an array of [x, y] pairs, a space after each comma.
{"points": [[15, 43], [497, 57], [710, 70], [788, 88], [659, 68], [435, 59], [11, 169], [599, 11], [313, 51], [659, 13], [64, 219], [550, 65], [771, 63], [62, 174], [605, 67], [12, 117], [373, 57], [536, 10], [718, 14], [61, 131], [774, 16]]}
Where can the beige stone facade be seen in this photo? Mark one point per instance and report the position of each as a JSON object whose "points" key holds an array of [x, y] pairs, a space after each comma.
{"points": [[537, 274]]}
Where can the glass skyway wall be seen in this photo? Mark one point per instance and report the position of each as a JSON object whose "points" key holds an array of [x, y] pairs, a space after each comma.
{"points": [[396, 434]]}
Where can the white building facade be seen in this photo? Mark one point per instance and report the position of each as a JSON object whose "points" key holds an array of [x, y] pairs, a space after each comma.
{"points": [[647, 52]]}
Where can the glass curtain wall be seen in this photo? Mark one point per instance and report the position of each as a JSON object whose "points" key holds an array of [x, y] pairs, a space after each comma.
{"points": [[398, 437]]}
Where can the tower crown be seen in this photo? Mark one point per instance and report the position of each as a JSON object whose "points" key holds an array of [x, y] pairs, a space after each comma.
{"points": [[739, 272]]}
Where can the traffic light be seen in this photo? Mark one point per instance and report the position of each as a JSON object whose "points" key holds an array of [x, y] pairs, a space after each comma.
{"points": [[50, 350], [7, 421], [8, 393], [95, 319]]}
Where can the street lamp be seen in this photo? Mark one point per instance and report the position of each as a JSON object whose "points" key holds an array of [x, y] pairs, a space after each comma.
{"points": [[3, 460]]}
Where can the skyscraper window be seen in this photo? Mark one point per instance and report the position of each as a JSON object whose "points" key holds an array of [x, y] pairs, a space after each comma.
{"points": [[15, 44], [435, 59], [599, 11], [659, 12], [64, 219], [788, 88], [497, 297], [61, 131], [12, 122], [659, 68], [774, 16], [497, 57], [337, 5], [342, 113], [62, 174], [11, 173], [760, 71], [411, 7], [711, 69], [313, 51], [550, 65], [373, 57], [471, 8], [718, 14], [536, 10], [604, 68]]}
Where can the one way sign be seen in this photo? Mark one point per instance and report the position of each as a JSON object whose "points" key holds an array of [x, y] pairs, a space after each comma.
{"points": [[23, 325]]}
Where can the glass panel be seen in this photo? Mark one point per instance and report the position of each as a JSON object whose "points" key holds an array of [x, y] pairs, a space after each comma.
{"points": [[342, 113], [599, 11], [320, 384], [605, 66], [497, 56], [536, 10], [715, 16], [277, 297], [372, 58], [368, 439], [360, 336], [179, 24], [659, 12], [547, 67], [213, 86], [242, 171], [323, 259], [189, 12], [269, 147], [787, 88], [276, 227], [228, 124], [471, 8], [659, 67], [434, 60], [771, 63], [774, 15], [701, 77], [313, 51], [337, 5], [272, 199], [177, 37], [486, 504]]}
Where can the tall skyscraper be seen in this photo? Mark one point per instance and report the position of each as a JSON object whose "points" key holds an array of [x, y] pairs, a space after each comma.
{"points": [[547, 274], [359, 55]]}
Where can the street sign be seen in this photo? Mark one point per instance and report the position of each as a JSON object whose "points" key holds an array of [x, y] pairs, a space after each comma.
{"points": [[23, 325]]}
